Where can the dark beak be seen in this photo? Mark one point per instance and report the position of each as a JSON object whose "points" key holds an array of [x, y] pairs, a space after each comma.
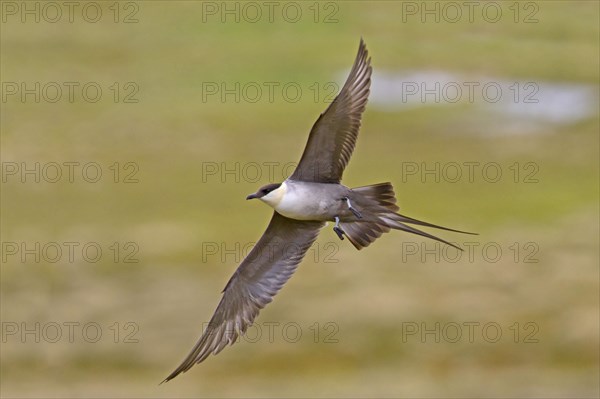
{"points": [[252, 196]]}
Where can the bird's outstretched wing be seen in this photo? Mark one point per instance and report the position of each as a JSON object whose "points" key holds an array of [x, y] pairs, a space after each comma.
{"points": [[333, 136], [259, 277]]}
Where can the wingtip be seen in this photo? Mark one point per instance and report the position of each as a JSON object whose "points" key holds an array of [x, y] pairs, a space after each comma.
{"points": [[362, 49], [363, 46], [173, 375]]}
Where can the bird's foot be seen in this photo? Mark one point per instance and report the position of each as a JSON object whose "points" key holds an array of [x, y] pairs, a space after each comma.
{"points": [[338, 230], [352, 209]]}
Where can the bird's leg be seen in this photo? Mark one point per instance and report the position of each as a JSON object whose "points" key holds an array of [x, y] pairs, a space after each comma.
{"points": [[337, 228], [354, 211]]}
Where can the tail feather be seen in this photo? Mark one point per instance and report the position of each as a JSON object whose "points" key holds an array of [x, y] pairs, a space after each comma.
{"points": [[377, 196], [363, 234], [406, 219], [401, 226], [377, 203]]}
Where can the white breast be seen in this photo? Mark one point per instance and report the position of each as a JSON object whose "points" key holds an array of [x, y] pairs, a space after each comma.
{"points": [[294, 202]]}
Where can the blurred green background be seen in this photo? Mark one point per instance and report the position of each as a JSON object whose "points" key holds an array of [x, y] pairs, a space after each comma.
{"points": [[177, 220]]}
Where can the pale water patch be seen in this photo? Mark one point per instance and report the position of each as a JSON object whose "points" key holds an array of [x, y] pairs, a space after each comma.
{"points": [[499, 105]]}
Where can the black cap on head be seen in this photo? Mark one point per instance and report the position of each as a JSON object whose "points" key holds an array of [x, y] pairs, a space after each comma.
{"points": [[264, 190]]}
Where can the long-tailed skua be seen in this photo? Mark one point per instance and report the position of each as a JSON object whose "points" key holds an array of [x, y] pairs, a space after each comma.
{"points": [[303, 203]]}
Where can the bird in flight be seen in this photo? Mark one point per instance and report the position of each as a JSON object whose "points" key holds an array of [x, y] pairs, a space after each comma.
{"points": [[310, 197]]}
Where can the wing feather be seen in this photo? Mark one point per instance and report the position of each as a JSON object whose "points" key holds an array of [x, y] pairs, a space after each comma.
{"points": [[256, 281], [333, 136]]}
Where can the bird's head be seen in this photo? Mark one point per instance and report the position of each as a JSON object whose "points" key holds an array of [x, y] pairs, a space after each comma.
{"points": [[270, 194]]}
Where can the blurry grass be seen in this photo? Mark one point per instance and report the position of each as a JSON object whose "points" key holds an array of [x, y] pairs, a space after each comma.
{"points": [[368, 294]]}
